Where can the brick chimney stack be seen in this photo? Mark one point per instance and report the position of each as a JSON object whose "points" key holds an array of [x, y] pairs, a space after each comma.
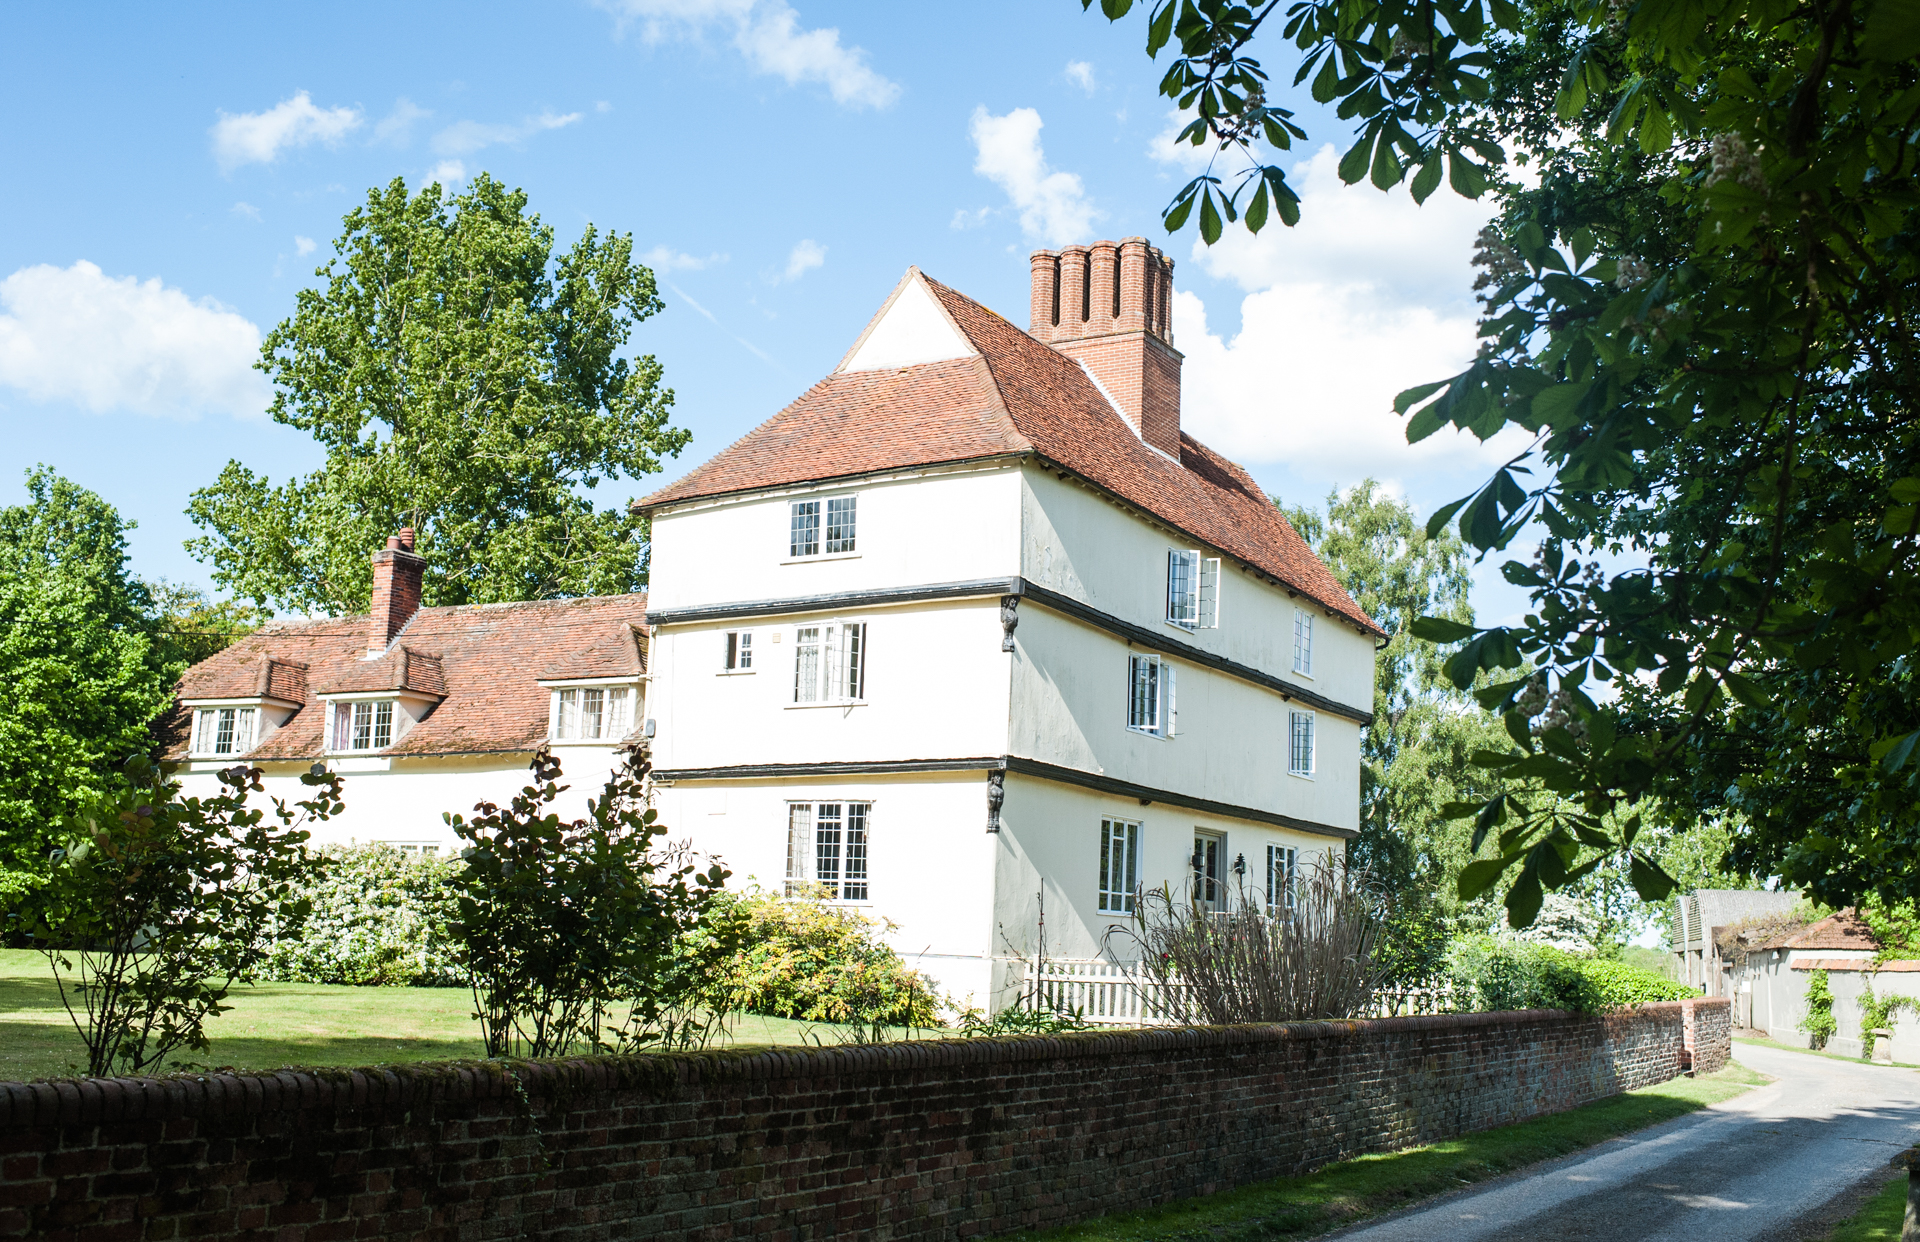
{"points": [[1110, 305], [397, 572]]}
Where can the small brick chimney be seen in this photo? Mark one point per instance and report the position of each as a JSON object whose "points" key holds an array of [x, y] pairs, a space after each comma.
{"points": [[396, 590], [1110, 305]]}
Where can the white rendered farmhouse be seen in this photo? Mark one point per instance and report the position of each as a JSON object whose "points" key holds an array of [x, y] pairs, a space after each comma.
{"points": [[972, 626], [970, 629]]}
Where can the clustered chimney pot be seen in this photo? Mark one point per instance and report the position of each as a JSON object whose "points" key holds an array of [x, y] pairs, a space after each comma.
{"points": [[1110, 306], [397, 574]]}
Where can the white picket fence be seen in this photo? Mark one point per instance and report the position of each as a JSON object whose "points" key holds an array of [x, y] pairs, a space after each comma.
{"points": [[1106, 994]]}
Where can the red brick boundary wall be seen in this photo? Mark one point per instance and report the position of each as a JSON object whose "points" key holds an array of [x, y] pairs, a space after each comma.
{"points": [[1708, 1029], [950, 1139]]}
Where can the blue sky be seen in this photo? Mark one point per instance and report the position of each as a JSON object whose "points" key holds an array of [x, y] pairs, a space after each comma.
{"points": [[177, 173]]}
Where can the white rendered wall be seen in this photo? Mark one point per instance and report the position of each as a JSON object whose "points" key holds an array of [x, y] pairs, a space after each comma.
{"points": [[938, 526], [1077, 542], [936, 688], [1049, 842], [1230, 744], [930, 858], [401, 799]]}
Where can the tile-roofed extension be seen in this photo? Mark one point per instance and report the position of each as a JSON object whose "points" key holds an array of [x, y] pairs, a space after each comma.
{"points": [[483, 661], [1007, 394], [1845, 930]]}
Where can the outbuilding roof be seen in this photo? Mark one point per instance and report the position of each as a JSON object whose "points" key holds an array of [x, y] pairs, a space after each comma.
{"points": [[1011, 396], [484, 662]]}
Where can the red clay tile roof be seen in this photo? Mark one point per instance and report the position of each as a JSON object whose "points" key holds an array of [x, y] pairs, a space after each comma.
{"points": [[1844, 930], [1019, 396], [486, 660]]}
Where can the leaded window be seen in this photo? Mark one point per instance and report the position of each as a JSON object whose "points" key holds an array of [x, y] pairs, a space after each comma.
{"points": [[594, 713], [1119, 865], [363, 725], [1151, 703], [827, 849], [830, 663], [1300, 743], [1303, 641], [803, 537], [1281, 861], [223, 730]]}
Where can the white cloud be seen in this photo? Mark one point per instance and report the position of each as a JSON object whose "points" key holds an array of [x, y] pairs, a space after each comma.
{"points": [[466, 137], [302, 245], [75, 335], [246, 211], [806, 255], [396, 128], [1184, 156], [259, 137], [449, 173], [1054, 208], [964, 219], [1368, 296], [1080, 73], [667, 259], [768, 33]]}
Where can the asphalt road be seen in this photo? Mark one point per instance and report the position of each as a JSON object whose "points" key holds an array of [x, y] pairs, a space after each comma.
{"points": [[1743, 1169]]}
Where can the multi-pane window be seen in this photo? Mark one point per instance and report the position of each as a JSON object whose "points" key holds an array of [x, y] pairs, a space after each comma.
{"points": [[830, 663], [827, 848], [363, 725], [594, 713], [1209, 889], [840, 523], [1119, 865], [1280, 878], [1193, 589], [223, 730], [1303, 641], [1151, 703], [739, 650], [1300, 743], [803, 531]]}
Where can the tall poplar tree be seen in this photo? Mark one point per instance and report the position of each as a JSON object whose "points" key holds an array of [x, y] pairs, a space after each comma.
{"points": [[464, 379]]}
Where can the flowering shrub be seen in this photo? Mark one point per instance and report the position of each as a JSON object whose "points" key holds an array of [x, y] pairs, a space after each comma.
{"points": [[801, 958], [377, 917]]}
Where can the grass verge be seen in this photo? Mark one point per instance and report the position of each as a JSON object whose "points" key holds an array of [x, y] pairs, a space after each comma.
{"points": [[1351, 1190], [274, 1025], [1879, 1218], [1816, 1052]]}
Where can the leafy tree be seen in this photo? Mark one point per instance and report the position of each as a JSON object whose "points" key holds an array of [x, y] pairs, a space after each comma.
{"points": [[1701, 308], [78, 657], [189, 627], [157, 905], [463, 379], [1416, 757], [564, 924]]}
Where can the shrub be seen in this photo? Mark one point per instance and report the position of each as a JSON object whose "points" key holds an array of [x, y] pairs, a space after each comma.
{"points": [[155, 905], [1621, 984], [573, 933], [1318, 959], [804, 959], [1819, 1024], [1491, 973], [377, 918]]}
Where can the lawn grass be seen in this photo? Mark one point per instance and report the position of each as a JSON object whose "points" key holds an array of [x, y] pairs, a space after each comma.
{"points": [[1816, 1052], [274, 1025], [1351, 1190], [1878, 1219]]}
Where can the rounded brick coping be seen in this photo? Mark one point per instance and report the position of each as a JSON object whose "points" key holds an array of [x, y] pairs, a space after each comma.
{"points": [[90, 1101]]}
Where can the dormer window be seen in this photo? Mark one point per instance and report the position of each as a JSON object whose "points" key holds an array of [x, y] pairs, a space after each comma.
{"points": [[363, 725], [224, 730], [594, 713]]}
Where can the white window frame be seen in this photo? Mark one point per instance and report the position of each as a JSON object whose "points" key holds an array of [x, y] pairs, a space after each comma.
{"points": [[343, 722], [1283, 869], [609, 706], [1296, 721], [739, 652], [823, 528], [1209, 874], [830, 846], [1153, 702], [1119, 858], [831, 660], [243, 730], [1193, 589], [1303, 642]]}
